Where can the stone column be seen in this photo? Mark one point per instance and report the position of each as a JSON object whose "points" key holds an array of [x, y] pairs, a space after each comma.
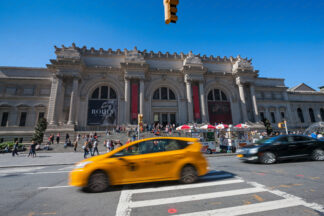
{"points": [[202, 102], [254, 104], [189, 102], [243, 103], [53, 101], [127, 100], [74, 93], [141, 97], [31, 117]]}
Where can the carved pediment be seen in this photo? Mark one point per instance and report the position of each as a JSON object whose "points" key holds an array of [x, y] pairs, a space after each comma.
{"points": [[242, 65], [134, 56], [192, 60]]}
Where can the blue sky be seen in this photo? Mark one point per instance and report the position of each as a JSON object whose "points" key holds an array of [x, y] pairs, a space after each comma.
{"points": [[284, 38]]}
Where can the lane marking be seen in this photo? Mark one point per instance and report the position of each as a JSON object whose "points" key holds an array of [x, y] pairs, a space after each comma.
{"points": [[196, 197], [18, 170], [67, 168], [248, 209], [285, 195], [257, 197], [54, 172], [54, 187], [124, 199], [189, 186]]}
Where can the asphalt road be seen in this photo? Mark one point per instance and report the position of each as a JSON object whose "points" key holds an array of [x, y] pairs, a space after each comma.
{"points": [[233, 188]]}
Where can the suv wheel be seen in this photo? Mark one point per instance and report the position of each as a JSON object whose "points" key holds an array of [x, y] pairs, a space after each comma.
{"points": [[188, 174], [318, 155], [268, 158], [98, 182]]}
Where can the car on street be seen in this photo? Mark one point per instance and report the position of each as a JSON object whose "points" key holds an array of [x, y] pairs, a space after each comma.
{"points": [[271, 150], [147, 160]]}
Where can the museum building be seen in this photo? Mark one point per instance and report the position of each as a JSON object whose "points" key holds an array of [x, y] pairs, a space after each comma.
{"points": [[87, 89]]}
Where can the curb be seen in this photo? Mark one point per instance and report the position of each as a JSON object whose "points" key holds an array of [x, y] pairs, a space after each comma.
{"points": [[35, 165], [221, 155]]}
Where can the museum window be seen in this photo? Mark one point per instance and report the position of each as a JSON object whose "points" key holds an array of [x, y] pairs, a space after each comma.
{"points": [[41, 115], [216, 95], [282, 115], [262, 116], [311, 114], [322, 114], [273, 118], [300, 115], [23, 117], [4, 119], [104, 92], [163, 93]]}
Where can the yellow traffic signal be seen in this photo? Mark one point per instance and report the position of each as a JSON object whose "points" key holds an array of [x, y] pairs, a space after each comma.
{"points": [[140, 119], [281, 125], [170, 10]]}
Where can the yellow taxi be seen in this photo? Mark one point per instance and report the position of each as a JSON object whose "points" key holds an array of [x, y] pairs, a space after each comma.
{"points": [[147, 160]]}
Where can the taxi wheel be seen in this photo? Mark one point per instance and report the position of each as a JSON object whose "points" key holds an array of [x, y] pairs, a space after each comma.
{"points": [[318, 155], [98, 182], [188, 174], [268, 158]]}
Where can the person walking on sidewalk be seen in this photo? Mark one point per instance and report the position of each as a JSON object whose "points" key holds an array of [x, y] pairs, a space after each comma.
{"points": [[57, 138], [85, 148], [95, 147], [15, 149]]}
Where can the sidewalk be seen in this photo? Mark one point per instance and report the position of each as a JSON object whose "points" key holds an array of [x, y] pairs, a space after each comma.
{"points": [[42, 159]]}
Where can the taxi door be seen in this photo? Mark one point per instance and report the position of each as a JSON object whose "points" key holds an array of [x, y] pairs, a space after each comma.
{"points": [[127, 166], [161, 158]]}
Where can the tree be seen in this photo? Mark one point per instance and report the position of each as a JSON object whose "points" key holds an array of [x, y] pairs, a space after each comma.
{"points": [[267, 125], [39, 131]]}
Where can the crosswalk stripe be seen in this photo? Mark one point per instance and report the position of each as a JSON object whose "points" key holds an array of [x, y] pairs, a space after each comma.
{"points": [[249, 209], [49, 172], [194, 197], [188, 186]]}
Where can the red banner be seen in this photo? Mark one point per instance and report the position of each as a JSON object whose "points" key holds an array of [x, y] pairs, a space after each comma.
{"points": [[195, 98], [134, 106], [219, 112]]}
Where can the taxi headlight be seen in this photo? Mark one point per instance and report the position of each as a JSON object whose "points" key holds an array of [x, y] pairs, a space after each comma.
{"points": [[253, 150], [82, 164]]}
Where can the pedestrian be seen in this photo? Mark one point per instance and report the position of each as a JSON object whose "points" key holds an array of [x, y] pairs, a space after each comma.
{"points": [[15, 149], [85, 148], [67, 136], [57, 138], [52, 139], [95, 147], [90, 145], [32, 149], [75, 145]]}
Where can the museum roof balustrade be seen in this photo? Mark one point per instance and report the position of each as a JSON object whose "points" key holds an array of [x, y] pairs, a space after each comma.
{"points": [[74, 52]]}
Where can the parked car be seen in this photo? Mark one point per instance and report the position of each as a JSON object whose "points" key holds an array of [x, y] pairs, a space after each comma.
{"points": [[147, 160], [271, 150]]}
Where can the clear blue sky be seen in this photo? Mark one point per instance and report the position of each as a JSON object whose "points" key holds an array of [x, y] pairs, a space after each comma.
{"points": [[285, 38]]}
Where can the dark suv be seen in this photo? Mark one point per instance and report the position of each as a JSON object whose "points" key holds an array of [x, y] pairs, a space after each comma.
{"points": [[282, 147]]}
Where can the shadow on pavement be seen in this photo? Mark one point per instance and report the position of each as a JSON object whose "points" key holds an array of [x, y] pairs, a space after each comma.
{"points": [[213, 175]]}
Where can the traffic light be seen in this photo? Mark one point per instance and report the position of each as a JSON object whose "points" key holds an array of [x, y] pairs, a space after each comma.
{"points": [[170, 10], [140, 119], [281, 125]]}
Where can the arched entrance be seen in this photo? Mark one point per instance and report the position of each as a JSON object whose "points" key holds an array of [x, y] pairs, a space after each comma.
{"points": [[219, 107], [164, 106], [103, 107]]}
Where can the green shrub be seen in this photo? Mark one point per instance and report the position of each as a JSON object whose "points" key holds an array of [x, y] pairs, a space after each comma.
{"points": [[11, 145]]}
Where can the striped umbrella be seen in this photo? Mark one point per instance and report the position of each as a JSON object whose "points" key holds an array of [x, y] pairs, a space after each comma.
{"points": [[184, 127]]}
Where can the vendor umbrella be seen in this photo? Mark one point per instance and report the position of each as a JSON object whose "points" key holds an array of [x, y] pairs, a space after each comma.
{"points": [[184, 127], [221, 126], [241, 126], [207, 126]]}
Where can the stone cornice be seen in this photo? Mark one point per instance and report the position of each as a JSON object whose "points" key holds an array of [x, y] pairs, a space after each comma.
{"points": [[84, 51]]}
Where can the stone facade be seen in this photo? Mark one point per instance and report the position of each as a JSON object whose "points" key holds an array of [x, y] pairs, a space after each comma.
{"points": [[88, 89]]}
